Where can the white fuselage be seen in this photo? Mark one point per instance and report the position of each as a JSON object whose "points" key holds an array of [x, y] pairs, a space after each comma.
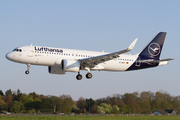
{"points": [[47, 56]]}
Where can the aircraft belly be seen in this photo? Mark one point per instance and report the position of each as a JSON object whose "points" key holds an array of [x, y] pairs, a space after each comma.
{"points": [[39, 60], [45, 61], [117, 66]]}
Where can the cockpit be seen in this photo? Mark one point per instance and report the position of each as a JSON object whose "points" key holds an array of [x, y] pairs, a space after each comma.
{"points": [[18, 50]]}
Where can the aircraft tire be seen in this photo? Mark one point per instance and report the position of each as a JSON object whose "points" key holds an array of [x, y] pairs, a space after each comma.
{"points": [[79, 77], [27, 72], [88, 75]]}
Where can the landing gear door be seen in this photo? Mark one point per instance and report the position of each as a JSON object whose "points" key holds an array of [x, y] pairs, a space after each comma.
{"points": [[30, 51]]}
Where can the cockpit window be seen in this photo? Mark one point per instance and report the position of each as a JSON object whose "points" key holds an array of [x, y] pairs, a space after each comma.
{"points": [[18, 50], [14, 49]]}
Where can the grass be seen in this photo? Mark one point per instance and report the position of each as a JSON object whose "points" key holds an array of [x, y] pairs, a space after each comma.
{"points": [[89, 117]]}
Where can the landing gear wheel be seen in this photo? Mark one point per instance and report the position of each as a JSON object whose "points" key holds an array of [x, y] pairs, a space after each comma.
{"points": [[27, 71], [88, 75], [79, 77]]}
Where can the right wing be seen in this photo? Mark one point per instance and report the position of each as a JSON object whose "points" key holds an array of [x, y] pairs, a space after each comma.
{"points": [[91, 62]]}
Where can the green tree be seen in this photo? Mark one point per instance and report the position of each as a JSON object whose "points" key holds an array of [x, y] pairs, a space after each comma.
{"points": [[9, 92], [1, 93], [66, 104], [46, 106], [17, 107], [25, 99], [89, 104], [115, 109], [36, 104], [81, 104], [145, 102], [124, 109], [2, 104], [8, 101], [176, 103], [104, 108], [55, 103], [164, 104], [18, 95], [162, 101], [33, 95], [129, 100]]}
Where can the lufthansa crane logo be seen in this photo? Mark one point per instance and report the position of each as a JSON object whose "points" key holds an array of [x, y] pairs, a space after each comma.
{"points": [[154, 49]]}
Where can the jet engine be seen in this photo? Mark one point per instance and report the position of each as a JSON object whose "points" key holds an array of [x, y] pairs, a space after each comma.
{"points": [[55, 70]]}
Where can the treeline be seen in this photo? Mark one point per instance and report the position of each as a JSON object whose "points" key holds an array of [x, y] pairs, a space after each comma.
{"points": [[141, 103]]}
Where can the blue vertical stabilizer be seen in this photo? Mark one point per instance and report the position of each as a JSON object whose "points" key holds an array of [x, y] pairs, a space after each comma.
{"points": [[154, 48]]}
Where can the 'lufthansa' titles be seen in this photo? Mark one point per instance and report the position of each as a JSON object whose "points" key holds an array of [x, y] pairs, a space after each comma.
{"points": [[45, 49]]}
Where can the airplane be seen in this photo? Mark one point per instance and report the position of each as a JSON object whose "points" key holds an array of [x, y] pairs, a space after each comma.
{"points": [[60, 60]]}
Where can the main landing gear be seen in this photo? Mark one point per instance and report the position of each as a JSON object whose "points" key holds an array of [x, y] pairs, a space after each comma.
{"points": [[28, 67], [79, 76], [88, 75]]}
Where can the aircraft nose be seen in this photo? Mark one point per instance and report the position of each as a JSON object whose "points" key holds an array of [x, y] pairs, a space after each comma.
{"points": [[8, 56]]}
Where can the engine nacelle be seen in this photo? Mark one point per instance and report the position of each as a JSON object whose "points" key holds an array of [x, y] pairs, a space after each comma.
{"points": [[58, 62], [55, 70], [70, 65]]}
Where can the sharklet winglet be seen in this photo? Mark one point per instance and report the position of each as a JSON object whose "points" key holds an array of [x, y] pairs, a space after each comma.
{"points": [[132, 44]]}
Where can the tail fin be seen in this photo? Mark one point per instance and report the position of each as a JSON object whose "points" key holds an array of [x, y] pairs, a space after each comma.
{"points": [[154, 48]]}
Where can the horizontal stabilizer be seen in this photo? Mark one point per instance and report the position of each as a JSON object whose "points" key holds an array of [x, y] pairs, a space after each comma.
{"points": [[162, 60]]}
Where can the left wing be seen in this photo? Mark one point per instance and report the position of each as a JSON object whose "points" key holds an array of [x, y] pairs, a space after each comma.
{"points": [[91, 62]]}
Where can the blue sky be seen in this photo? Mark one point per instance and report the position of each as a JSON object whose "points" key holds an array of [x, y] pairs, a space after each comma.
{"points": [[95, 25]]}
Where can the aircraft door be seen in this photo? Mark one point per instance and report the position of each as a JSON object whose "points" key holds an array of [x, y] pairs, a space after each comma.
{"points": [[30, 51]]}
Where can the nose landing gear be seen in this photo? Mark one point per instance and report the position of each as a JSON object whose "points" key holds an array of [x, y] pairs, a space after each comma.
{"points": [[28, 67]]}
